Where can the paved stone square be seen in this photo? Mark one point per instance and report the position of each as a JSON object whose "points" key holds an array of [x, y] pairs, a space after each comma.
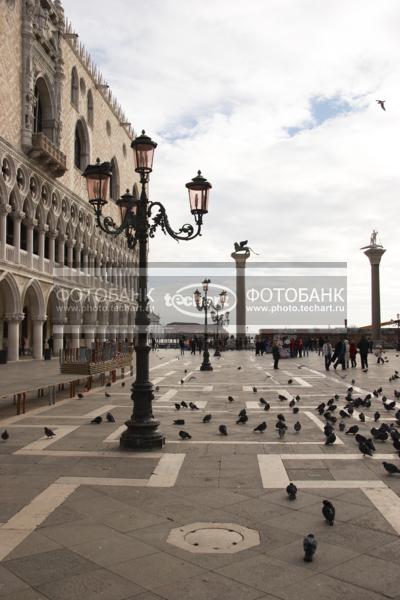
{"points": [[82, 519]]}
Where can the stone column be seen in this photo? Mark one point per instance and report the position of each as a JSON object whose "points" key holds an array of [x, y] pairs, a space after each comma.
{"points": [[101, 332], [30, 225], [14, 321], [90, 331], [52, 250], [38, 337], [61, 250], [42, 234], [58, 337], [70, 253], [17, 216], [75, 331], [4, 211], [374, 254], [240, 259]]}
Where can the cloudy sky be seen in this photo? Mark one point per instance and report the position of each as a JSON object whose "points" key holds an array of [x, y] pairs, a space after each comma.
{"points": [[275, 100]]}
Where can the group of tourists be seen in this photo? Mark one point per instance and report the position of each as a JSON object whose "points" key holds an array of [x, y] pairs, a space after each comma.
{"points": [[345, 352]]}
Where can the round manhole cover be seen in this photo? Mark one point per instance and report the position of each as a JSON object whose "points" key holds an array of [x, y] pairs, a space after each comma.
{"points": [[213, 539]]}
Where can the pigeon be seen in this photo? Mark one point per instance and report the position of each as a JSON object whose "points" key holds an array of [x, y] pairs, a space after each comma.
{"points": [[261, 427], [361, 416], [297, 398], [254, 389], [223, 430], [5, 435], [107, 395], [377, 416], [396, 445], [262, 401], [342, 426], [207, 418], [364, 448], [328, 510], [290, 381], [179, 422], [291, 491], [310, 547], [267, 406], [184, 404], [185, 371], [336, 396], [297, 426], [296, 410], [242, 420], [48, 432], [281, 417], [177, 406], [242, 412], [390, 468], [193, 406], [292, 403], [389, 405], [157, 388], [110, 418], [239, 368], [108, 384], [123, 384], [330, 439], [353, 382], [231, 399], [352, 430], [97, 420], [281, 397], [282, 432], [184, 435], [80, 395], [182, 382]]}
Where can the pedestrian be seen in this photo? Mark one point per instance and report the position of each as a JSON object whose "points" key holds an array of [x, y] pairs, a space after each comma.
{"points": [[320, 344], [199, 345], [50, 343], [153, 343], [182, 345], [346, 353], [363, 347], [370, 345], [276, 355], [339, 355], [299, 346], [192, 345], [379, 354], [353, 354], [327, 354]]}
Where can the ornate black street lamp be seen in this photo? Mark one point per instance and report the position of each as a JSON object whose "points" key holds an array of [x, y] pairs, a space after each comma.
{"points": [[205, 303], [142, 429], [219, 319]]}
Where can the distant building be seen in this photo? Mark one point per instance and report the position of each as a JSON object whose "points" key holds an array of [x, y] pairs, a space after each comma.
{"points": [[177, 329]]}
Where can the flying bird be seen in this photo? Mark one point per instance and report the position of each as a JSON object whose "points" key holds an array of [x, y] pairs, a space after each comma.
{"points": [[48, 432]]}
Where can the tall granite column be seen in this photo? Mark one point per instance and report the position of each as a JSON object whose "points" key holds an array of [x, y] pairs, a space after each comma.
{"points": [[240, 259], [374, 252]]}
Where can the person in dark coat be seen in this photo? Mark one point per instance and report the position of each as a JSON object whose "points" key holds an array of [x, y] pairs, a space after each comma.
{"points": [[363, 347], [339, 355], [276, 355]]}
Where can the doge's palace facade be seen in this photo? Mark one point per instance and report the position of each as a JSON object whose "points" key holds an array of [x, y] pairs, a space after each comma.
{"points": [[60, 276]]}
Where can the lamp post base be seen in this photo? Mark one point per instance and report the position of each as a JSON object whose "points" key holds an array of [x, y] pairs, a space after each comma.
{"points": [[206, 367], [217, 353], [142, 436]]}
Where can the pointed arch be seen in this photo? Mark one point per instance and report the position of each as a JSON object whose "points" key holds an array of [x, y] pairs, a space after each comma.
{"points": [[33, 297]]}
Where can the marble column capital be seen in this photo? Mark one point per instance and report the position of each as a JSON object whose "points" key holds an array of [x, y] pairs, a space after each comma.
{"points": [[14, 317]]}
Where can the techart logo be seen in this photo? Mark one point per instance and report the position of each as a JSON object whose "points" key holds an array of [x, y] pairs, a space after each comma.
{"points": [[183, 299]]}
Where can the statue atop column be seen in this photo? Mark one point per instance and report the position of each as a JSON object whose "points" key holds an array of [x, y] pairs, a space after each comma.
{"points": [[373, 241], [243, 247]]}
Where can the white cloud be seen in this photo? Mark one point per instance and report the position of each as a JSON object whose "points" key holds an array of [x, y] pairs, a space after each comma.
{"points": [[219, 83]]}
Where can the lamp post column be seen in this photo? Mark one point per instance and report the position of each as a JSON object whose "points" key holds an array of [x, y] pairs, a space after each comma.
{"points": [[206, 365], [141, 432]]}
